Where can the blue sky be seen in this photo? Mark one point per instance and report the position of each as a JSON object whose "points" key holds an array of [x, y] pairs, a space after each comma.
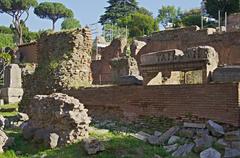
{"points": [[88, 11]]}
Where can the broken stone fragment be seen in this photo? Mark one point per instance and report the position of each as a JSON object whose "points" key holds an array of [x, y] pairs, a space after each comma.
{"points": [[2, 122], [221, 143], [157, 133], [93, 146], [210, 153], [231, 153], [166, 136], [153, 140], [171, 148], [141, 136], [183, 150], [22, 117], [3, 140], [203, 143], [215, 129], [173, 140], [51, 140]]}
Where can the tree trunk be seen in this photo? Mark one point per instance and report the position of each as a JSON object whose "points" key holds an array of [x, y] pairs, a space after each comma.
{"points": [[20, 35], [19, 31], [53, 25]]}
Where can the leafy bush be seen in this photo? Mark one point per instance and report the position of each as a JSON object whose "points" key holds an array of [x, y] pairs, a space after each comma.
{"points": [[5, 30], [6, 40]]}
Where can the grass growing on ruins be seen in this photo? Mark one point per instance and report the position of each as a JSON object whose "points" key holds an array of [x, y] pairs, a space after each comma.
{"points": [[115, 136], [117, 145], [117, 142], [8, 109]]}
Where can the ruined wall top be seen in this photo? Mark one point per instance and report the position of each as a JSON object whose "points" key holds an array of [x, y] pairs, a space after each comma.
{"points": [[64, 60], [180, 32], [201, 53]]}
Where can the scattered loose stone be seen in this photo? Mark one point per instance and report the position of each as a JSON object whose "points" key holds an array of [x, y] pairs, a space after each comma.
{"points": [[183, 150], [51, 141], [231, 153], [221, 143], [210, 153], [2, 122], [3, 140], [157, 133], [215, 129], [194, 125], [232, 136], [173, 140], [23, 116], [141, 136], [93, 146], [171, 148], [203, 143], [187, 133], [153, 140], [165, 136]]}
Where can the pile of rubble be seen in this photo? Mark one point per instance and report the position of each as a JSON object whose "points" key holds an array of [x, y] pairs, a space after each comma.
{"points": [[203, 139], [56, 120]]}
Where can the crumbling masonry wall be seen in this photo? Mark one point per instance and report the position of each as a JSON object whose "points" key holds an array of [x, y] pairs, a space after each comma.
{"points": [[63, 62]]}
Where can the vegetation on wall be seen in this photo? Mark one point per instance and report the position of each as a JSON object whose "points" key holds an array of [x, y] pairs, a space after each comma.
{"points": [[6, 40]]}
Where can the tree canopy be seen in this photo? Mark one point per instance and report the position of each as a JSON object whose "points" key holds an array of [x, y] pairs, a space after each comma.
{"points": [[229, 6], [17, 9], [139, 24], [168, 14], [70, 23], [52, 11], [118, 9]]}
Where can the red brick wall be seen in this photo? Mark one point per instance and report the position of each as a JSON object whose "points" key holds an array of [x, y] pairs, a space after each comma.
{"points": [[219, 102], [29, 52]]}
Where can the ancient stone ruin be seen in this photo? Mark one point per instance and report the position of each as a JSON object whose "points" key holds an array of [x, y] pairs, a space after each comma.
{"points": [[101, 69], [202, 58], [56, 120], [63, 62], [124, 67], [12, 91]]}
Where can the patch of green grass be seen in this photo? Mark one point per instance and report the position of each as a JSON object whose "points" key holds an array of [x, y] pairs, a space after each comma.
{"points": [[6, 114], [116, 145], [9, 106]]}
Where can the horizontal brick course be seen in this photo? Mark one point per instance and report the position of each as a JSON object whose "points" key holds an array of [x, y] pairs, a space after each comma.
{"points": [[219, 102]]}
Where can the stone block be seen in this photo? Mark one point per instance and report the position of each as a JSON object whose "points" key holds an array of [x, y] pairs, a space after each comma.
{"points": [[11, 95], [12, 76]]}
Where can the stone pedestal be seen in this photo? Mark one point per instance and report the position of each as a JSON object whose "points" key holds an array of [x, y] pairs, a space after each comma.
{"points": [[11, 95], [12, 91]]}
